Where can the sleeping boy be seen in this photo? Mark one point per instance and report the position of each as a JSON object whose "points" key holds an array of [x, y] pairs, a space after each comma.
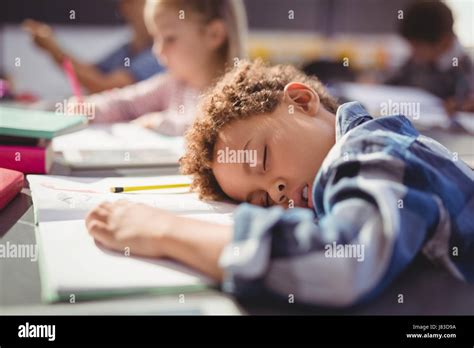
{"points": [[336, 205]]}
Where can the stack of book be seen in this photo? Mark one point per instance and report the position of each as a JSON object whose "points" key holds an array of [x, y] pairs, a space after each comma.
{"points": [[25, 137]]}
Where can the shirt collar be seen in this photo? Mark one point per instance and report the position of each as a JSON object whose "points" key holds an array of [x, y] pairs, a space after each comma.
{"points": [[348, 116]]}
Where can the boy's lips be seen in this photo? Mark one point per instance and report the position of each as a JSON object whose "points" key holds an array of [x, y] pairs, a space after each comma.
{"points": [[310, 196], [301, 197]]}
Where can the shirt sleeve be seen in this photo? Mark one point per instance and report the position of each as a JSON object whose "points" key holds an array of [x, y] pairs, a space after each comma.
{"points": [[141, 66], [113, 60], [371, 230], [144, 65], [128, 103]]}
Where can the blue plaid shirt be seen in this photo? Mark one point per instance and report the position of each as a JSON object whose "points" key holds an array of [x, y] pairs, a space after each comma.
{"points": [[383, 194]]}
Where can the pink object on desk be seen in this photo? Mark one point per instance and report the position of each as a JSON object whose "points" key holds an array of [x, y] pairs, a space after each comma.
{"points": [[11, 183], [72, 77]]}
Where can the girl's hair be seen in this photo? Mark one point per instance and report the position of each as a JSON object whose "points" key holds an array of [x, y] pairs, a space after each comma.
{"points": [[231, 12]]}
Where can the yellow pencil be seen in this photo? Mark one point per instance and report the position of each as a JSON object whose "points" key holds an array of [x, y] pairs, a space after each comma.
{"points": [[148, 187]]}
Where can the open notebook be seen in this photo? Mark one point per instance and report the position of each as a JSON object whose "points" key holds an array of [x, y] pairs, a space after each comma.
{"points": [[120, 145], [72, 263]]}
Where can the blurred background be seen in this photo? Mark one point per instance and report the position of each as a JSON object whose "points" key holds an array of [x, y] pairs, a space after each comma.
{"points": [[312, 34]]}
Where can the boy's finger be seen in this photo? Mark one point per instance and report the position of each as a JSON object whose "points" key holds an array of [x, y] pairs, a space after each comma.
{"points": [[99, 231], [93, 226], [100, 214], [89, 216], [105, 206]]}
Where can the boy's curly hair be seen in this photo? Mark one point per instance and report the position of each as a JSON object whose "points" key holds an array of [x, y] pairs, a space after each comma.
{"points": [[251, 88]]}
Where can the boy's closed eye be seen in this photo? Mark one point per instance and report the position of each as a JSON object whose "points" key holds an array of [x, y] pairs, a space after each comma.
{"points": [[267, 201], [264, 162], [262, 197]]}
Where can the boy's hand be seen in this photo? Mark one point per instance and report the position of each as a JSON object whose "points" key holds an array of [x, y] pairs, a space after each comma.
{"points": [[468, 104], [153, 232], [451, 105], [123, 224]]}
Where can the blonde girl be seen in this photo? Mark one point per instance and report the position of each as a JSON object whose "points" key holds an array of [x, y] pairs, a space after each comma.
{"points": [[196, 40]]}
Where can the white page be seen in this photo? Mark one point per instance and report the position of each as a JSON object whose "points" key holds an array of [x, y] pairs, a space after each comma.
{"points": [[57, 198], [72, 262], [116, 136], [118, 145]]}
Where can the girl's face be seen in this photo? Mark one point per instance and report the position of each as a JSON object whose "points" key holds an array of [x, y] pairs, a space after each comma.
{"points": [[183, 46]]}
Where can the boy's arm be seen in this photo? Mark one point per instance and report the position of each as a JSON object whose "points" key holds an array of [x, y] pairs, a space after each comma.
{"points": [[372, 230], [151, 232], [198, 244]]}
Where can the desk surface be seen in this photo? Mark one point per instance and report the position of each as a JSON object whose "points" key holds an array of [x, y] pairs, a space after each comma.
{"points": [[426, 290]]}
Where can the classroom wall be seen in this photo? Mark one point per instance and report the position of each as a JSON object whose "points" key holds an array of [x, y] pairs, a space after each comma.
{"points": [[324, 16], [327, 17], [87, 12], [98, 29]]}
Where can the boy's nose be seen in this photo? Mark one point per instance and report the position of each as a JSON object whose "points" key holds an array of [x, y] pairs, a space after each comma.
{"points": [[278, 192]]}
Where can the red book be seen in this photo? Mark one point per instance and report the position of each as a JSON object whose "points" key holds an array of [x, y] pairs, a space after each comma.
{"points": [[26, 159], [11, 183]]}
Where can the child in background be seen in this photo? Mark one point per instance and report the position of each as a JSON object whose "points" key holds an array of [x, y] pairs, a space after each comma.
{"points": [[374, 188], [438, 62], [195, 40], [112, 71]]}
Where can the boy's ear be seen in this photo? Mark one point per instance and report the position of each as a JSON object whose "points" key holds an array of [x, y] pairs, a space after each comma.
{"points": [[216, 33], [303, 96]]}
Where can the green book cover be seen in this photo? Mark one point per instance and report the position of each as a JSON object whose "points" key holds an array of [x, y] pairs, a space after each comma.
{"points": [[30, 123]]}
